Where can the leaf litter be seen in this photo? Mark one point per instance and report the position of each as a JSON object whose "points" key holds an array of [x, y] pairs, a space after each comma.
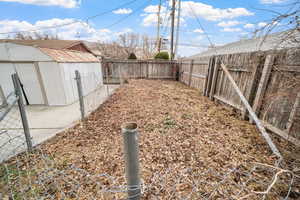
{"points": [[190, 147]]}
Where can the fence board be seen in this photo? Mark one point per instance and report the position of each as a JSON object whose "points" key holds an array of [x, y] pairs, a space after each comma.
{"points": [[117, 70], [270, 81]]}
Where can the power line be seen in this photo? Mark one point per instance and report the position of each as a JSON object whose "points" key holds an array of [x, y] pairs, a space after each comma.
{"points": [[172, 29], [166, 20], [191, 45], [178, 28], [202, 28], [109, 11], [70, 23], [158, 27], [127, 16], [166, 24], [244, 100], [42, 28]]}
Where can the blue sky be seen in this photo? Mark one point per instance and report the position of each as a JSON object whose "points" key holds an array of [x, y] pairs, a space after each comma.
{"points": [[223, 20]]}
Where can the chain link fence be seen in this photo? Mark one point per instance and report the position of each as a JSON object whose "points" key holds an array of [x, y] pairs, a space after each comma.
{"points": [[38, 176], [91, 92], [14, 138], [27, 173]]}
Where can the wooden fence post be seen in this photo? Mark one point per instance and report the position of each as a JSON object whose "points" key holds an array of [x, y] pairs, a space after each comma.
{"points": [[209, 76], [214, 79], [258, 123], [250, 93], [148, 70], [191, 72], [175, 71], [141, 74], [179, 71], [263, 84], [295, 108]]}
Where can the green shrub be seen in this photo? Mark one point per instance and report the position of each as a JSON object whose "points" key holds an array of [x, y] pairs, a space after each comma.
{"points": [[162, 55], [132, 56]]}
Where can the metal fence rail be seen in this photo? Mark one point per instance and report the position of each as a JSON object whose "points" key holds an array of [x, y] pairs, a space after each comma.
{"points": [[90, 99], [33, 173], [14, 129], [39, 176]]}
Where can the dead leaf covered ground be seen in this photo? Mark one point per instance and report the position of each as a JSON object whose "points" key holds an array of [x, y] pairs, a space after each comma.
{"points": [[189, 145]]}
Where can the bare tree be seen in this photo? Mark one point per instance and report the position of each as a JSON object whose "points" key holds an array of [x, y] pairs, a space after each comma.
{"points": [[286, 21], [142, 45], [129, 41], [112, 50]]}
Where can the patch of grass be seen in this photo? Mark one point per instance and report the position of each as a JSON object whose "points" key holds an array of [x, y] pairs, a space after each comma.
{"points": [[150, 127], [169, 122], [187, 116]]}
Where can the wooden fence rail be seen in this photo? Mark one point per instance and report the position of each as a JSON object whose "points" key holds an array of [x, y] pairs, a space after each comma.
{"points": [[270, 81], [116, 71]]}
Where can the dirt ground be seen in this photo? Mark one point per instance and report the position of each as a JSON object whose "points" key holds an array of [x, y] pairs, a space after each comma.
{"points": [[190, 147], [178, 129]]}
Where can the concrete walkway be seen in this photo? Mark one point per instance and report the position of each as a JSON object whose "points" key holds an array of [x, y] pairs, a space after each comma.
{"points": [[45, 121]]}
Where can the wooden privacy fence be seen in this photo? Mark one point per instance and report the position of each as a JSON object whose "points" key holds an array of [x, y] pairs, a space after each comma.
{"points": [[116, 71], [270, 81], [194, 73]]}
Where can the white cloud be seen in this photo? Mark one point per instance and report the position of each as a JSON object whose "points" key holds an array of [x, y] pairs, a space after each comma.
{"points": [[261, 24], [184, 50], [150, 20], [249, 26], [123, 11], [150, 16], [198, 30], [208, 12], [73, 31], [124, 31], [154, 9], [200, 37], [62, 3], [272, 1], [190, 8], [228, 23], [232, 30]]}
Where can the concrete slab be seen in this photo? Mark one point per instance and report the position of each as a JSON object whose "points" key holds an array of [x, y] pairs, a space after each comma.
{"points": [[46, 121]]}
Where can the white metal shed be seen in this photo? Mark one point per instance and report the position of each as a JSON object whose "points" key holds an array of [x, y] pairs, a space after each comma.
{"points": [[47, 75]]}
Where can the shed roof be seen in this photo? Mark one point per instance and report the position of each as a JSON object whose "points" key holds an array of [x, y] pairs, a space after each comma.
{"points": [[11, 52], [52, 44], [69, 56]]}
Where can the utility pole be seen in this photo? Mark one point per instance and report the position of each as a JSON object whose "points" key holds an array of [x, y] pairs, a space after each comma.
{"points": [[178, 26], [172, 28], [158, 27], [159, 44]]}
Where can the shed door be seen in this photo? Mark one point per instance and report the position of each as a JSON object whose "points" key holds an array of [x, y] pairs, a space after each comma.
{"points": [[31, 85]]}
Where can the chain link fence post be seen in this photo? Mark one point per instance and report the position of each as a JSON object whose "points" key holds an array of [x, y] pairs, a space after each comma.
{"points": [[131, 153], [80, 94], [22, 110], [2, 98]]}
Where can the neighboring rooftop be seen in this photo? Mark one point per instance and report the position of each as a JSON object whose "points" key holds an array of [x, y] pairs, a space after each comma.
{"points": [[112, 50], [271, 42], [98, 49], [69, 56]]}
